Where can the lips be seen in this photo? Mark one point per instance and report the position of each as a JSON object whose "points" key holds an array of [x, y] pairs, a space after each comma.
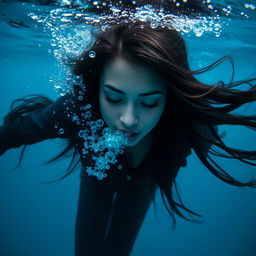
{"points": [[132, 137], [130, 134]]}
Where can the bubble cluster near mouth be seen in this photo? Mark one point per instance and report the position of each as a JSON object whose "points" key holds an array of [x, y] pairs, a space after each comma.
{"points": [[103, 150], [98, 143]]}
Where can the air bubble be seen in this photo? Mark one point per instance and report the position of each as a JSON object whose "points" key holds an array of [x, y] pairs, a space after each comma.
{"points": [[250, 6], [95, 2], [61, 131], [110, 156], [217, 27], [104, 27], [217, 34], [53, 42], [87, 115], [99, 122], [77, 80], [83, 133], [115, 9], [92, 54], [154, 24], [101, 175], [86, 145]]}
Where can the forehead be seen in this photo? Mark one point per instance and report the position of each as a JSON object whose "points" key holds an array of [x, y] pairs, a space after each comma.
{"points": [[130, 77]]}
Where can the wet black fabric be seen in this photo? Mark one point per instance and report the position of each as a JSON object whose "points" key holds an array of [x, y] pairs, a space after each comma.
{"points": [[38, 126], [110, 212]]}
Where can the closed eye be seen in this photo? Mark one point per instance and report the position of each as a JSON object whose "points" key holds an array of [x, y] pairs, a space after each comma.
{"points": [[144, 104]]}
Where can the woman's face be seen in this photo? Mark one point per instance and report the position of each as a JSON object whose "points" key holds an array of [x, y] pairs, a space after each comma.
{"points": [[132, 98]]}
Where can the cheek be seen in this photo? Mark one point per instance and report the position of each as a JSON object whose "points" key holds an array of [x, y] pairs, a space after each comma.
{"points": [[157, 115], [106, 112], [151, 119]]}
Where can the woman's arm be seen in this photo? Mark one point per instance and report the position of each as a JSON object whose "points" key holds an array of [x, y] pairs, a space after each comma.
{"points": [[41, 124]]}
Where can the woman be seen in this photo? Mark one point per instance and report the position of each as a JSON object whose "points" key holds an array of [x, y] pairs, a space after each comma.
{"points": [[136, 79]]}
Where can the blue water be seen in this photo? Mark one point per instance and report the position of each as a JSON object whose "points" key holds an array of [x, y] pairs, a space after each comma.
{"points": [[38, 219]]}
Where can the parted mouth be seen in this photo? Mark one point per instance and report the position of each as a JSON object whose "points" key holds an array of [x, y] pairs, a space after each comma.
{"points": [[129, 133]]}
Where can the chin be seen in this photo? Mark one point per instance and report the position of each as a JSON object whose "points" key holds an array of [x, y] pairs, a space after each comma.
{"points": [[134, 142]]}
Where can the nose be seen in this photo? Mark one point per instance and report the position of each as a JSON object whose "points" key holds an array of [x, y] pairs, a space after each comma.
{"points": [[128, 118]]}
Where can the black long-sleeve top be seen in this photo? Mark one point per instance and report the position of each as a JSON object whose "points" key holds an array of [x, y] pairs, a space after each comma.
{"points": [[38, 126], [54, 121]]}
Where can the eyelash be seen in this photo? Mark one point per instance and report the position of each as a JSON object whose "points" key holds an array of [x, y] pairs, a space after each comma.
{"points": [[145, 105]]}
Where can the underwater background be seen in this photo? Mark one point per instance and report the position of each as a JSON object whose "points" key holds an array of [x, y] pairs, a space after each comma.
{"points": [[39, 219]]}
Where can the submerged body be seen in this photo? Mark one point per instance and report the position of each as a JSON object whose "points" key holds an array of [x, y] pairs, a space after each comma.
{"points": [[109, 221], [151, 93]]}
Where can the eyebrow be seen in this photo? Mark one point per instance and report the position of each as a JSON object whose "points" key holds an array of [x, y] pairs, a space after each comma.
{"points": [[142, 94]]}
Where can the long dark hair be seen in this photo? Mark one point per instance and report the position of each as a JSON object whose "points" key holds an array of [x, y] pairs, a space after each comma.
{"points": [[193, 110]]}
